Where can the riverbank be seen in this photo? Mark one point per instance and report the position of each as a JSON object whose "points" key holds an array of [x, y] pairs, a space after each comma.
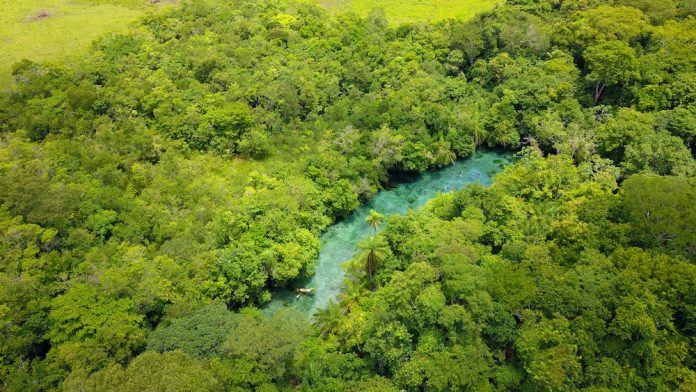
{"points": [[339, 242]]}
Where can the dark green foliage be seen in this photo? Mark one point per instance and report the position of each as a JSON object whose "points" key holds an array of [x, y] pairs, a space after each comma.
{"points": [[200, 334], [265, 347], [537, 305], [172, 371], [196, 159]]}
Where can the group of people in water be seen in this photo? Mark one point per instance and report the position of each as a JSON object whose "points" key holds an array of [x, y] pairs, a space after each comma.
{"points": [[448, 188]]}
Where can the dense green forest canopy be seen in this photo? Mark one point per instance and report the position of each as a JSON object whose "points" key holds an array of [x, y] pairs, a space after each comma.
{"points": [[155, 190]]}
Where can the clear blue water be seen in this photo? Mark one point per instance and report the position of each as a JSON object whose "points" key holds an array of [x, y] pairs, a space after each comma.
{"points": [[339, 242]]}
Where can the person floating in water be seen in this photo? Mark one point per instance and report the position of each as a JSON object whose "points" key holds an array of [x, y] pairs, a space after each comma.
{"points": [[304, 291]]}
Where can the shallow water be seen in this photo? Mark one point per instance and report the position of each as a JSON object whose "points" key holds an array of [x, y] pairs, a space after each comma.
{"points": [[339, 242]]}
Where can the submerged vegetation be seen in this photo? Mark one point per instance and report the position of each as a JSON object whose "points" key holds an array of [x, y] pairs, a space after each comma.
{"points": [[154, 191]]}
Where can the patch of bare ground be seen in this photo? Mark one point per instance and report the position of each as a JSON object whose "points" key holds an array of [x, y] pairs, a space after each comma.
{"points": [[41, 14]]}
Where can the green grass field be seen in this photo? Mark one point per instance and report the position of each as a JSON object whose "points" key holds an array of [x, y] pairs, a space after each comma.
{"points": [[44, 30], [47, 30], [404, 11]]}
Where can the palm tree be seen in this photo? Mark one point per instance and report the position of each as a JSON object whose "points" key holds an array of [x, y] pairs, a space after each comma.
{"points": [[329, 318], [374, 220], [350, 295], [374, 251]]}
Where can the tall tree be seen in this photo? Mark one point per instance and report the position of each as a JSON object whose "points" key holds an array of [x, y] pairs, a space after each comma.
{"points": [[373, 252], [375, 219], [610, 63]]}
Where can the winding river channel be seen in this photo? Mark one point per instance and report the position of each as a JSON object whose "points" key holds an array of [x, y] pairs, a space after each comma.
{"points": [[340, 241]]}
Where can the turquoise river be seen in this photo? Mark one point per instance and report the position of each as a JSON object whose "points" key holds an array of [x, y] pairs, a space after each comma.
{"points": [[340, 241]]}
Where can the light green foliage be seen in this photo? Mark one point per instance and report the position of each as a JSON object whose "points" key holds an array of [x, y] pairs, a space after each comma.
{"points": [[660, 153], [610, 63], [631, 139], [540, 179], [255, 144], [658, 210], [76, 321], [375, 219], [608, 23], [90, 329], [548, 353], [325, 368], [67, 28], [657, 11], [679, 122], [413, 11], [373, 253], [195, 158], [544, 303]]}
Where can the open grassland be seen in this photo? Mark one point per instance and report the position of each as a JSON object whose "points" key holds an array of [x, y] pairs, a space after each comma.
{"points": [[406, 11], [49, 30], [45, 30]]}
